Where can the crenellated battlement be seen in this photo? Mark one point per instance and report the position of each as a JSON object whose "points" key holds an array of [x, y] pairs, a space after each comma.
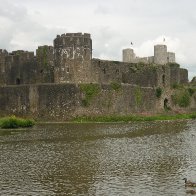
{"points": [[73, 40], [3, 51], [85, 35], [45, 47]]}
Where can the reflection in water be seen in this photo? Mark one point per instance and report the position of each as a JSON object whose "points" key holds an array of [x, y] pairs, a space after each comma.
{"points": [[148, 158]]}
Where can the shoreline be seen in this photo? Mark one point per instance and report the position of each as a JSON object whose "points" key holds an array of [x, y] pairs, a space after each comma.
{"points": [[115, 119], [124, 118]]}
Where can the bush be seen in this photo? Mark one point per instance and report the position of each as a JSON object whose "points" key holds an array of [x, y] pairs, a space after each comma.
{"points": [[90, 91], [159, 92], [116, 86], [14, 122], [177, 86], [191, 91], [182, 98]]}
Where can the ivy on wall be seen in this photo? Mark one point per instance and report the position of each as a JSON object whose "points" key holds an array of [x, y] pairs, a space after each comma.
{"points": [[138, 96], [90, 91]]}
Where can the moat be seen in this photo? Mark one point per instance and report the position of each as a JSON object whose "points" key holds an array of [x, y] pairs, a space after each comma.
{"points": [[146, 158]]}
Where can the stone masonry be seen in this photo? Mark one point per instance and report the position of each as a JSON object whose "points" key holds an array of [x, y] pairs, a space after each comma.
{"points": [[59, 81], [70, 61]]}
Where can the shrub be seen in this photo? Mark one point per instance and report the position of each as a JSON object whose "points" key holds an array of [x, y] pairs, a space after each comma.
{"points": [[191, 91], [90, 91], [177, 86], [159, 92], [182, 98], [14, 122], [116, 86]]}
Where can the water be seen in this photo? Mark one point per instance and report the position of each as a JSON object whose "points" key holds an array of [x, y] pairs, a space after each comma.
{"points": [[148, 158]]}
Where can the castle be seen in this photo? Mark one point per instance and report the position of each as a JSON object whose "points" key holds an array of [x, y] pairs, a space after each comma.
{"points": [[70, 61], [51, 84]]}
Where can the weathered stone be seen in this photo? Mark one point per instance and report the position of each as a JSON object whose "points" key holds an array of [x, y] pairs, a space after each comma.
{"points": [[124, 87]]}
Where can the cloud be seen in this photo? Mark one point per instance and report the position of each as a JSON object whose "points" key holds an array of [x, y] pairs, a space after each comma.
{"points": [[113, 24], [101, 9]]}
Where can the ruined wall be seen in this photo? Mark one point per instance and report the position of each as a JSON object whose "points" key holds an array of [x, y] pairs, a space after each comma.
{"points": [[3, 54], [174, 75], [138, 74], [20, 68], [183, 76], [64, 101], [45, 64], [108, 71], [72, 58], [163, 76]]}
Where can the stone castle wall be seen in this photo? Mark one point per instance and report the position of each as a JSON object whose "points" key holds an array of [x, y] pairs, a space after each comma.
{"points": [[51, 85], [65, 101], [19, 68], [45, 64], [70, 61]]}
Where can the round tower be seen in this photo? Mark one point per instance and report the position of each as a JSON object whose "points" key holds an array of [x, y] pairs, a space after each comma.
{"points": [[128, 55], [72, 58], [160, 54]]}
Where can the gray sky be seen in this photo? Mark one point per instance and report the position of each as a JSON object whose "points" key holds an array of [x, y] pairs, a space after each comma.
{"points": [[113, 24]]}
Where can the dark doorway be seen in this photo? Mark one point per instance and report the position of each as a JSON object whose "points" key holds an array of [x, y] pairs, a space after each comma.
{"points": [[166, 104], [17, 81]]}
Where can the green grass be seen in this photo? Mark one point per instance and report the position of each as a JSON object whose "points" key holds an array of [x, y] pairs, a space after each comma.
{"points": [[133, 118], [13, 122]]}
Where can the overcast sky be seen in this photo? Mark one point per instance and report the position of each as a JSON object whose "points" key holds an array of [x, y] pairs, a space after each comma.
{"points": [[113, 24]]}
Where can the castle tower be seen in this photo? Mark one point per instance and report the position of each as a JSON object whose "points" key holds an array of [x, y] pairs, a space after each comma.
{"points": [[72, 58], [128, 55], [160, 54], [171, 57], [45, 64], [3, 54]]}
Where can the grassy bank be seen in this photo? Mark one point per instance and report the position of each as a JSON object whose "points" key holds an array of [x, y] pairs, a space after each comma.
{"points": [[14, 122], [134, 118]]}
